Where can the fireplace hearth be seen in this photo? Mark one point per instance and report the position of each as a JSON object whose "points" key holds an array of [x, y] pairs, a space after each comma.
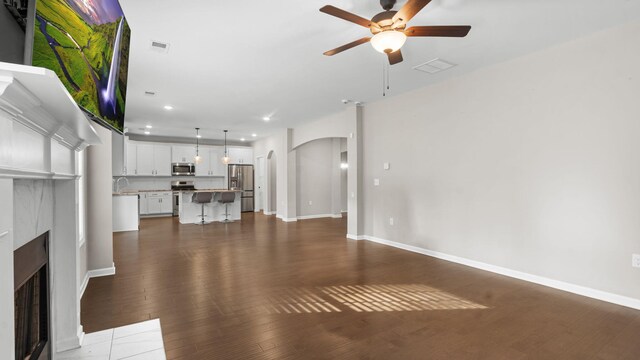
{"points": [[31, 301]]}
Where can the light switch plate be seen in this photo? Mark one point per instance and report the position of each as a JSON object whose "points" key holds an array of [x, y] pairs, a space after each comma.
{"points": [[635, 260], [387, 166], [376, 182]]}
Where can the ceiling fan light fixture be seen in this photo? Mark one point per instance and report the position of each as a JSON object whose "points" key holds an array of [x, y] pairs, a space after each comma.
{"points": [[388, 41]]}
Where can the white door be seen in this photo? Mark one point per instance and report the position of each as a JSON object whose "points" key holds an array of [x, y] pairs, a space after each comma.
{"points": [[259, 185]]}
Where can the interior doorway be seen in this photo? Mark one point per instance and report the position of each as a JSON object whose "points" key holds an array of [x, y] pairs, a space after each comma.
{"points": [[259, 184], [271, 200]]}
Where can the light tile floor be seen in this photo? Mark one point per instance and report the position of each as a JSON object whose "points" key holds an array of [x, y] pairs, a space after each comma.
{"points": [[141, 341]]}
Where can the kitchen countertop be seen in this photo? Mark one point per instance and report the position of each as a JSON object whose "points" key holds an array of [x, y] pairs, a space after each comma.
{"points": [[137, 192]]}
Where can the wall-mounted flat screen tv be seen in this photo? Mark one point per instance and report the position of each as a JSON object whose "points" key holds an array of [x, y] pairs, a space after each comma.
{"points": [[86, 42]]}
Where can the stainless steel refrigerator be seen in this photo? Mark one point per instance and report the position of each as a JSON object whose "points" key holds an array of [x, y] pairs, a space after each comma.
{"points": [[241, 178]]}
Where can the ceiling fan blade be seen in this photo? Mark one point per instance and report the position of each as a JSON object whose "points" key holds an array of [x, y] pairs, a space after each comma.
{"points": [[345, 15], [409, 10], [445, 31], [347, 46], [394, 57]]}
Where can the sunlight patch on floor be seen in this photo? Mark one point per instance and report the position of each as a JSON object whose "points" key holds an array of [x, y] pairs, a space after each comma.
{"points": [[409, 297]]}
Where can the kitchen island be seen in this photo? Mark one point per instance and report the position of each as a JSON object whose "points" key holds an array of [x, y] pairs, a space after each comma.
{"points": [[190, 212]]}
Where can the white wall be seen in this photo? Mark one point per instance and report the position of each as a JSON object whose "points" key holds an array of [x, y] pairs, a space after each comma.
{"points": [[314, 184], [531, 164]]}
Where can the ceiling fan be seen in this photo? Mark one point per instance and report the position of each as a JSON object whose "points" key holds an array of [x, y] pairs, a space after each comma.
{"points": [[389, 28]]}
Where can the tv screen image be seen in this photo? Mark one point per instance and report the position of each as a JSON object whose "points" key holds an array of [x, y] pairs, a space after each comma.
{"points": [[86, 42]]}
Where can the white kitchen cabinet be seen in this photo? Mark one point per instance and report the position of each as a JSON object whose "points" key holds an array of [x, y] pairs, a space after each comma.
{"points": [[156, 203], [241, 155], [216, 166], [153, 160], [211, 164], [144, 209], [183, 154], [131, 167], [162, 159]]}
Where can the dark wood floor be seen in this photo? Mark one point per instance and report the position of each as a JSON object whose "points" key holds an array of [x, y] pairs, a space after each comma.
{"points": [[264, 289]]}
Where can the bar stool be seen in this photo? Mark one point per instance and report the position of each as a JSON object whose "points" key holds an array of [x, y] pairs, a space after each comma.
{"points": [[202, 198], [226, 198]]}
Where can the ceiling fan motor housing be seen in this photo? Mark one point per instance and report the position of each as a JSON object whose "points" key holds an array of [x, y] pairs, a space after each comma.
{"points": [[387, 4], [385, 22]]}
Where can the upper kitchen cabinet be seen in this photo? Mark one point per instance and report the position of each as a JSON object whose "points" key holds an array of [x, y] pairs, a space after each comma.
{"points": [[183, 154], [153, 160], [131, 160], [211, 164], [241, 155]]}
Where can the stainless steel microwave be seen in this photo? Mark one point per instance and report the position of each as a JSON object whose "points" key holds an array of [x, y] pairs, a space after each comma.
{"points": [[183, 169]]}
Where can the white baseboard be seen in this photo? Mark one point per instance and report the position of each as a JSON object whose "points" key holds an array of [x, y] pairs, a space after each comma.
{"points": [[278, 216], [80, 334], [96, 273], [320, 216], [68, 344], [355, 237], [84, 284], [289, 219], [556, 284], [269, 212]]}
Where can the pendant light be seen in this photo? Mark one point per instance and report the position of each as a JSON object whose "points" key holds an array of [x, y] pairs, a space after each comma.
{"points": [[226, 159], [197, 158]]}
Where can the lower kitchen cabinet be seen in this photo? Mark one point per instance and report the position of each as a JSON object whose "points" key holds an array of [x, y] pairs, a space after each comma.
{"points": [[156, 203]]}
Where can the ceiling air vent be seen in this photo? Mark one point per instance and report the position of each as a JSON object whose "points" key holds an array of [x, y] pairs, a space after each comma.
{"points": [[434, 66], [149, 93], [159, 46]]}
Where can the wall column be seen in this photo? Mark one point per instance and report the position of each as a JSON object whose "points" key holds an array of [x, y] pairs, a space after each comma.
{"points": [[355, 221]]}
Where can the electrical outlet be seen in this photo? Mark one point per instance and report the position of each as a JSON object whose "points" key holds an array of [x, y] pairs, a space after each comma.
{"points": [[635, 260], [310, 202], [386, 166], [391, 221], [376, 182]]}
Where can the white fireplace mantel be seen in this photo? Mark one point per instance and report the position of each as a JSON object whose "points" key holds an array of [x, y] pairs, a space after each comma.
{"points": [[42, 132], [40, 124]]}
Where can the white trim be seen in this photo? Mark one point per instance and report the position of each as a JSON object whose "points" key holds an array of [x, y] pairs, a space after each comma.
{"points": [[320, 216], [68, 344], [85, 282], [540, 280], [80, 334], [94, 274], [289, 219], [355, 237], [102, 272], [269, 213]]}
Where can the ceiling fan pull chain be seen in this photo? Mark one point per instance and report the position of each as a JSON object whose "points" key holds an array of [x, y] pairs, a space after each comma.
{"points": [[388, 74], [384, 80]]}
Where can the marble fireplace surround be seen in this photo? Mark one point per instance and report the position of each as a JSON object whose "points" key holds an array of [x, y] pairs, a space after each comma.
{"points": [[51, 205]]}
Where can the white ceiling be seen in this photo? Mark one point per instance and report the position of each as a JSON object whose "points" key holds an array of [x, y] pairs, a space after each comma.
{"points": [[232, 62]]}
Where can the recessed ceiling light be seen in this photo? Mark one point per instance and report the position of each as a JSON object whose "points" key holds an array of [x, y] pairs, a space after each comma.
{"points": [[254, 135], [149, 126], [266, 118], [168, 107], [147, 132], [242, 139]]}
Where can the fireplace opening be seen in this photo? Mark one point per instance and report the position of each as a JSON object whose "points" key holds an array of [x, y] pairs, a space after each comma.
{"points": [[31, 299]]}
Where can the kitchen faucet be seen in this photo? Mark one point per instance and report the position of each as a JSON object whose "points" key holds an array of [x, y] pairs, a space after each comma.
{"points": [[118, 183]]}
